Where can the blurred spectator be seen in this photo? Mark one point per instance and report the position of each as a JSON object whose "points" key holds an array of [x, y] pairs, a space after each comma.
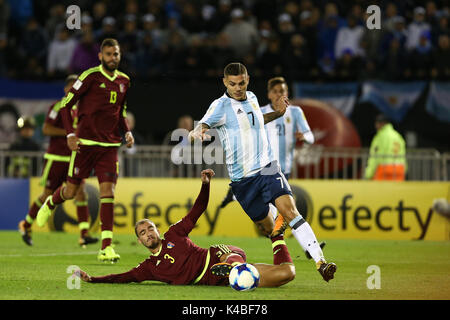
{"points": [[388, 20], [86, 27], [431, 13], [148, 58], [327, 32], [308, 30], [392, 60], [150, 26], [293, 9], [196, 60], [34, 42], [270, 62], [60, 53], [348, 66], [190, 19], [349, 38], [22, 166], [265, 34], [440, 29], [441, 59], [371, 41], [421, 58], [222, 53], [128, 38], [98, 14], [108, 30], [185, 124], [57, 18], [327, 67], [416, 29], [221, 16], [286, 29], [173, 27], [20, 12], [243, 35], [85, 55], [297, 61]]}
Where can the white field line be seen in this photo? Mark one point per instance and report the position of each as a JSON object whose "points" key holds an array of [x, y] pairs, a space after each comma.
{"points": [[48, 254]]}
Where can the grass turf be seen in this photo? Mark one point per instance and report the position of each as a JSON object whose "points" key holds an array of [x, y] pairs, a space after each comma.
{"points": [[408, 270]]}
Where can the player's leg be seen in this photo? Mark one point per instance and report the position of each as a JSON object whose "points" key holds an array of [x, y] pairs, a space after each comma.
{"points": [[229, 256], [25, 225], [107, 170], [274, 275], [304, 235], [282, 271], [81, 203]]}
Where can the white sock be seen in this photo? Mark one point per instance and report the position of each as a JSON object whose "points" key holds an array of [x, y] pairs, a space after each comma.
{"points": [[273, 210], [306, 238]]}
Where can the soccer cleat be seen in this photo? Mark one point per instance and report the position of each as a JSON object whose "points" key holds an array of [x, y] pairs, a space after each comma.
{"points": [[280, 226], [26, 233], [108, 255], [83, 241], [44, 213], [322, 244], [326, 270], [228, 198], [221, 269]]}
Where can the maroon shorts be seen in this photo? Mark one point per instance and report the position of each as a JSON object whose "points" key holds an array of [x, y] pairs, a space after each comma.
{"points": [[54, 174], [216, 251], [103, 160]]}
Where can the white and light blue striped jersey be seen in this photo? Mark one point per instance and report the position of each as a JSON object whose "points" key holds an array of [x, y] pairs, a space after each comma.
{"points": [[240, 125], [281, 134]]}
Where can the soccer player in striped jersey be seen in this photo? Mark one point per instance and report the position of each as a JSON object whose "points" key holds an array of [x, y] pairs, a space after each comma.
{"points": [[256, 178], [55, 170], [175, 259], [101, 95], [284, 131]]}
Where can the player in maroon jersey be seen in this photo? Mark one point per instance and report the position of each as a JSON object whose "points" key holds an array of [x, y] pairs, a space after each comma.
{"points": [[56, 165], [175, 259], [101, 94]]}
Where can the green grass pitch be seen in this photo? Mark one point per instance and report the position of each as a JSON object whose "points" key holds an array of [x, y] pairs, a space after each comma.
{"points": [[408, 270]]}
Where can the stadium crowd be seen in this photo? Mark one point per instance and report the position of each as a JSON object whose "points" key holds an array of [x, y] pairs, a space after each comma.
{"points": [[301, 40]]}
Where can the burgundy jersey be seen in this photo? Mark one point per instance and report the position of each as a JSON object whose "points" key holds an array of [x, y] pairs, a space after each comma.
{"points": [[179, 260], [101, 106], [58, 144]]}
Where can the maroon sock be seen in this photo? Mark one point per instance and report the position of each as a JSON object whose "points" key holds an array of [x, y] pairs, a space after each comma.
{"points": [[57, 198], [32, 213], [107, 220], [83, 216], [280, 251]]}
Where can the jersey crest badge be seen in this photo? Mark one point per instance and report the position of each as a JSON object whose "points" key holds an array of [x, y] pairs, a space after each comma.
{"points": [[170, 245], [122, 88]]}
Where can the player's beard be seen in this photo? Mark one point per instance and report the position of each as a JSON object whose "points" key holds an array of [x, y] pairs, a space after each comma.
{"points": [[154, 244], [107, 67]]}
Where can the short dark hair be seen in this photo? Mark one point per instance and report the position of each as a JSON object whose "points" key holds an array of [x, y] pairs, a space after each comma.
{"points": [[234, 69], [274, 81], [109, 42], [142, 221]]}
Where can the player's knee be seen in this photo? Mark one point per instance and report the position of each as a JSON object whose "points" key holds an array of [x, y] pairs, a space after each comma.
{"points": [[287, 274]]}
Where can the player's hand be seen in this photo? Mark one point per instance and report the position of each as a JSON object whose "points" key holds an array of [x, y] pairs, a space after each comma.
{"points": [[299, 136], [129, 138], [73, 142], [82, 275], [207, 174], [281, 105], [198, 135]]}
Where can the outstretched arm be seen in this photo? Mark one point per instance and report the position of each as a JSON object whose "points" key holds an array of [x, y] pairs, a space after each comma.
{"points": [[125, 277], [185, 225], [280, 107]]}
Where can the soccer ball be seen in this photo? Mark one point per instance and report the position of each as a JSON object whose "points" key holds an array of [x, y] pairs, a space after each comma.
{"points": [[244, 277]]}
